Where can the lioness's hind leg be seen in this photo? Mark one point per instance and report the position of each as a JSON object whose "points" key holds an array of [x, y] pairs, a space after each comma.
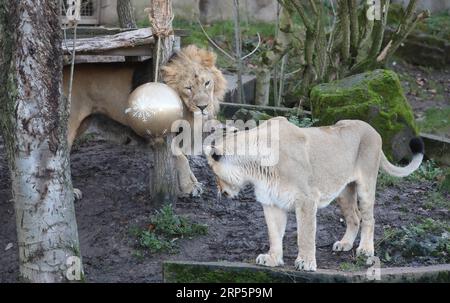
{"points": [[348, 204], [366, 197], [276, 219]]}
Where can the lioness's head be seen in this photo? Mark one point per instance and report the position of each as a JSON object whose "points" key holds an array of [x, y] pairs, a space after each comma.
{"points": [[193, 74], [228, 177]]}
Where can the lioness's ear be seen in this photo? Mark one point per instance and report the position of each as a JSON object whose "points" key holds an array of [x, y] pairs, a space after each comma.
{"points": [[215, 156], [211, 151]]}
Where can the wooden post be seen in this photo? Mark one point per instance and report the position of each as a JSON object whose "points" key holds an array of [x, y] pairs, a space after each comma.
{"points": [[163, 181]]}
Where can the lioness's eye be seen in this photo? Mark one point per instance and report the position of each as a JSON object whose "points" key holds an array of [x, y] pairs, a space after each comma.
{"points": [[188, 87], [207, 83]]}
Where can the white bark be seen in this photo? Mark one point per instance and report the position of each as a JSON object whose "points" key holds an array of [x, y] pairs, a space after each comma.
{"points": [[35, 133]]}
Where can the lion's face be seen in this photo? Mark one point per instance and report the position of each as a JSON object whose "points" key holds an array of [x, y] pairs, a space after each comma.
{"points": [[193, 74], [197, 92]]}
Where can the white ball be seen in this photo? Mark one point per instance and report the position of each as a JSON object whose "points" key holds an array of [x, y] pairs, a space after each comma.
{"points": [[152, 108]]}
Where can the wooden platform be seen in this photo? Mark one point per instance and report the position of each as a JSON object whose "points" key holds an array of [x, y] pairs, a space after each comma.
{"points": [[100, 44]]}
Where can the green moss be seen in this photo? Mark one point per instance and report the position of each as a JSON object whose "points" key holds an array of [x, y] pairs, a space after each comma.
{"points": [[375, 97], [183, 273]]}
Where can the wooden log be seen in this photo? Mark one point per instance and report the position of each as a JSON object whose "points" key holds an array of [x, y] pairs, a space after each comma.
{"points": [[110, 44]]}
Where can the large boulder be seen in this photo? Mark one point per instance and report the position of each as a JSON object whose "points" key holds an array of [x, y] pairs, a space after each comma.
{"points": [[375, 97]]}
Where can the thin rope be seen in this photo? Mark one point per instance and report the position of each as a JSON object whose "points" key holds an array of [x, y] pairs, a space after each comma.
{"points": [[74, 40], [158, 51], [72, 64], [161, 27]]}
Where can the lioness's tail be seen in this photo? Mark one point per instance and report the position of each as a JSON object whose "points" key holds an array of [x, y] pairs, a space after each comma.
{"points": [[416, 145]]}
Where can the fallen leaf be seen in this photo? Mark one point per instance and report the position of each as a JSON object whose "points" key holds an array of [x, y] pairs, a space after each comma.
{"points": [[420, 81], [9, 246]]}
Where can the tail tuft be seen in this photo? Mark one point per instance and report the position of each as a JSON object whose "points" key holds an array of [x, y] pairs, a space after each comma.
{"points": [[416, 145]]}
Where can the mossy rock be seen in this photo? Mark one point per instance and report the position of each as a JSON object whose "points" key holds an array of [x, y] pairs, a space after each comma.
{"points": [[246, 115], [375, 97]]}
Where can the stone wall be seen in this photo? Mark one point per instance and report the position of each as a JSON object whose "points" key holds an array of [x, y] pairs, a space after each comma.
{"points": [[212, 10], [261, 10]]}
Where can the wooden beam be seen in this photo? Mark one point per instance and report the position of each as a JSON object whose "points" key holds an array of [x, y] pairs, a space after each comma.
{"points": [[116, 44]]}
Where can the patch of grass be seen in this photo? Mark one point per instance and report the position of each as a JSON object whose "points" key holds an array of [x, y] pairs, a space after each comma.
{"points": [[302, 122], [384, 180], [436, 121], [427, 242], [222, 32], [358, 264], [438, 24], [428, 171], [165, 229], [82, 140], [437, 200]]}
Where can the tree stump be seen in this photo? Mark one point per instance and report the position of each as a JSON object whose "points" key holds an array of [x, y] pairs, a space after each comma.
{"points": [[163, 180]]}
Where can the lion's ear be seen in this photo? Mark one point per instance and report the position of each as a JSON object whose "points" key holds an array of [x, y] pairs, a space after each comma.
{"points": [[168, 73], [220, 84], [208, 59]]}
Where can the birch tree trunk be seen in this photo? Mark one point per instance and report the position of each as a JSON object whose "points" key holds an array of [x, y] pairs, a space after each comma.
{"points": [[125, 12], [33, 123], [163, 181]]}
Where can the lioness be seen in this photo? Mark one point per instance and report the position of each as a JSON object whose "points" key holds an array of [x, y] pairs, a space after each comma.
{"points": [[104, 89], [315, 166]]}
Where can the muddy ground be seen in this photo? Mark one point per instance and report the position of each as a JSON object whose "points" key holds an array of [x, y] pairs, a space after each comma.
{"points": [[114, 181]]}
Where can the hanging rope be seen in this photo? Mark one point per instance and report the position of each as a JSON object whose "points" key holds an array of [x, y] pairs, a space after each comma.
{"points": [[160, 15], [73, 16]]}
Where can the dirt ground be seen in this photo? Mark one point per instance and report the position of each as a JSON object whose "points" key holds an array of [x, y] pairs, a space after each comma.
{"points": [[424, 87], [114, 182]]}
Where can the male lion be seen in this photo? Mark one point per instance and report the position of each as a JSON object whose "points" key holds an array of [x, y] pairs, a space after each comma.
{"points": [[315, 166], [104, 89]]}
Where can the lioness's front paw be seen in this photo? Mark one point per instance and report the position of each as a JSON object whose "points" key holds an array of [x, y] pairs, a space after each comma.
{"points": [[342, 246], [365, 251], [269, 260], [78, 195], [193, 189], [306, 264], [197, 189]]}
